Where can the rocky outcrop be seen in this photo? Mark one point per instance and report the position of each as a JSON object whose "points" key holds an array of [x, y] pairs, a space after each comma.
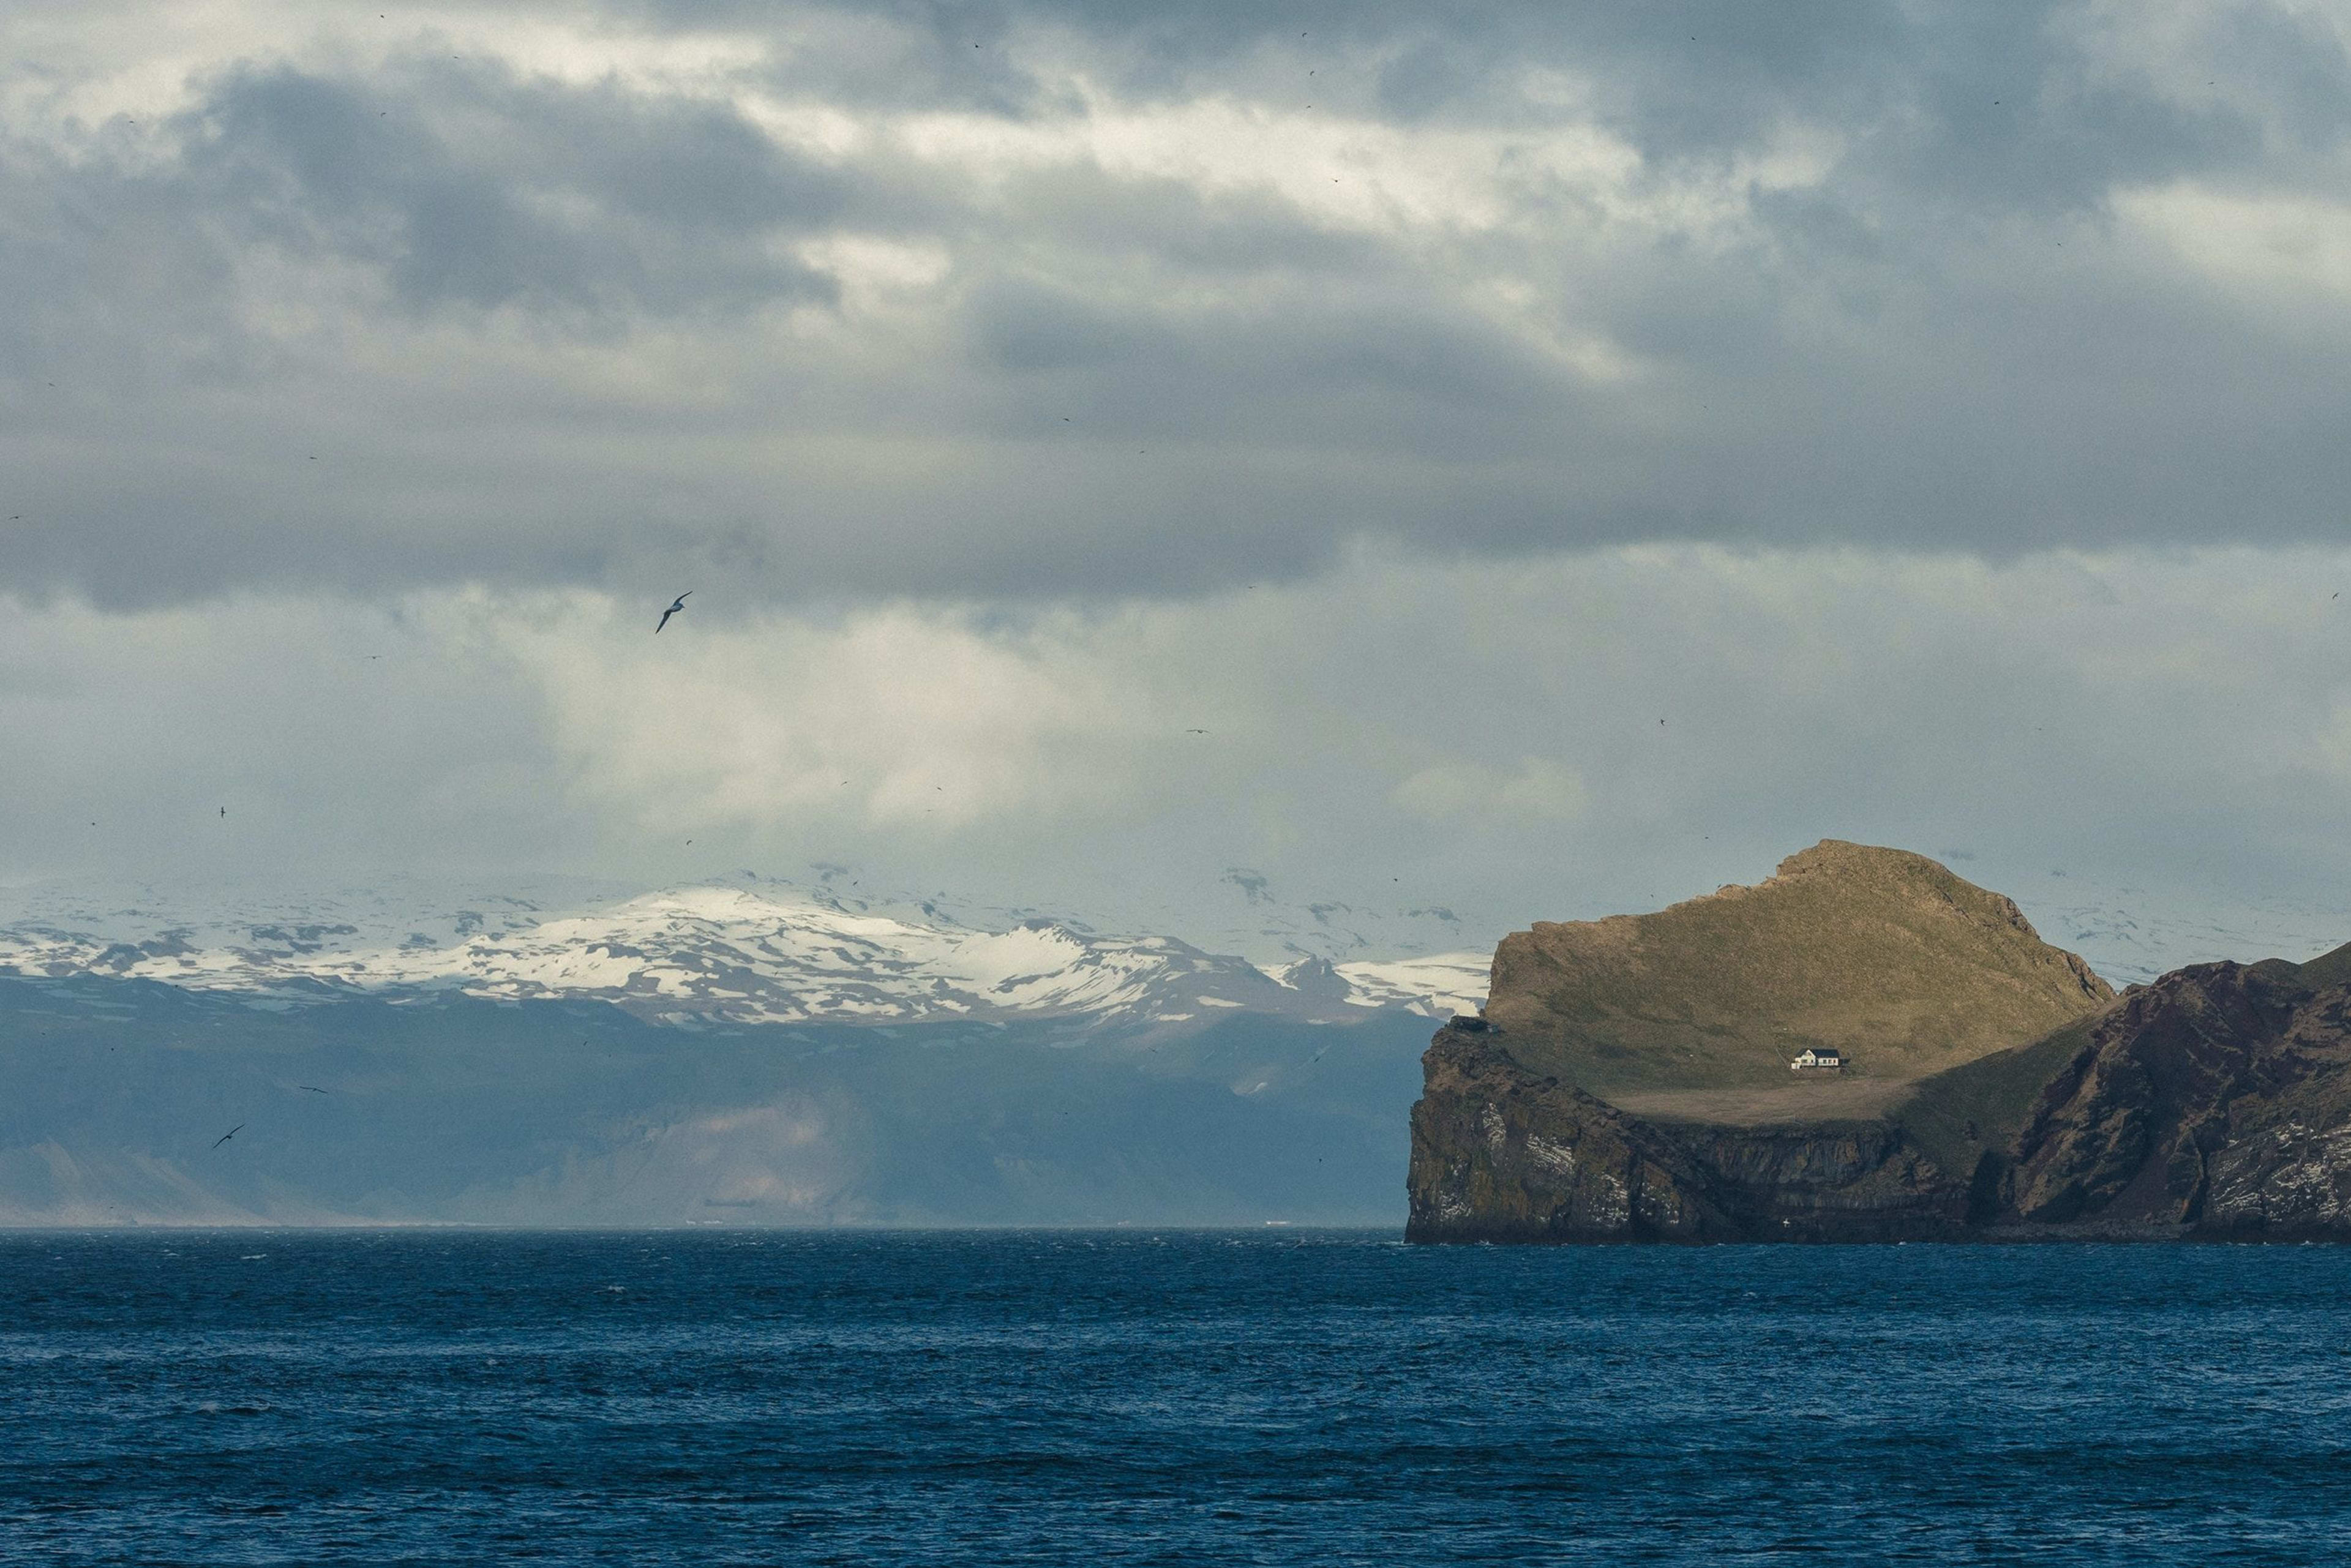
{"points": [[1501, 1155], [2214, 1104]]}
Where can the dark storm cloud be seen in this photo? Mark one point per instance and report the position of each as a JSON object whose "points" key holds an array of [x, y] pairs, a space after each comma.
{"points": [[1709, 77], [1080, 297], [468, 187]]}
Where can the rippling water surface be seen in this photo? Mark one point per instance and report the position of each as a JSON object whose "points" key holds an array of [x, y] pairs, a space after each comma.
{"points": [[1182, 1397]]}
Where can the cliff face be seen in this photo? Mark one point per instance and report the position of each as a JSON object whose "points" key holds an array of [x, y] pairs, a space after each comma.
{"points": [[2214, 1104], [1501, 1155]]}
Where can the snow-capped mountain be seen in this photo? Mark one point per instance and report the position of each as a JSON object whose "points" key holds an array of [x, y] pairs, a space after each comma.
{"points": [[747, 948], [762, 952]]}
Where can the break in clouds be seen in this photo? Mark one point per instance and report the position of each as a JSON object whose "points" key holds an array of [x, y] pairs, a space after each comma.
{"points": [[1562, 457]]}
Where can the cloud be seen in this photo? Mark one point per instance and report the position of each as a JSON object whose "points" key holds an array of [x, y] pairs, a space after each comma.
{"points": [[896, 721], [1393, 735], [1933, 412], [1538, 789], [1251, 884], [475, 190], [831, 304]]}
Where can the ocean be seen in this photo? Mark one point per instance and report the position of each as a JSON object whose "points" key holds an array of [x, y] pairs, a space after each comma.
{"points": [[1270, 1397]]}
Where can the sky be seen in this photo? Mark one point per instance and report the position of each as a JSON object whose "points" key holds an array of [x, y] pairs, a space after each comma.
{"points": [[1526, 461]]}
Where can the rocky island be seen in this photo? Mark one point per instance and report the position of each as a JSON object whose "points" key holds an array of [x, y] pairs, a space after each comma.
{"points": [[1629, 1079]]}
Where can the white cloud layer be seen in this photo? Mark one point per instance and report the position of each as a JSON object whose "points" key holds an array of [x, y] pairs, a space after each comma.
{"points": [[1523, 459], [1537, 790], [1511, 742]]}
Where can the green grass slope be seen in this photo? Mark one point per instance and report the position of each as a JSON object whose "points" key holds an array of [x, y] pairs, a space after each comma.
{"points": [[2329, 969], [1955, 1115], [1885, 955]]}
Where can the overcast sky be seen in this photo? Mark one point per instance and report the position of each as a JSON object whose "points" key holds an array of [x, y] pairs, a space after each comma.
{"points": [[1563, 457]]}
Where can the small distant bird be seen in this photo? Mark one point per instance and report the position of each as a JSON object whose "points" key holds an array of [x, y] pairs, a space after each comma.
{"points": [[675, 605], [232, 1133], [1196, 732], [224, 810], [312, 1087]]}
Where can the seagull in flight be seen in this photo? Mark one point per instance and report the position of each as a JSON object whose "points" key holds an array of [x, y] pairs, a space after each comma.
{"points": [[675, 605], [232, 1133]]}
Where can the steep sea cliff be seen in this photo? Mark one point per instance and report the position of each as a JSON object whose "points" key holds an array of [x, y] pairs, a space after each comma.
{"points": [[2212, 1103]]}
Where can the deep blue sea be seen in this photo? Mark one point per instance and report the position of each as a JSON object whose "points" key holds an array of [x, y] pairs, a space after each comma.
{"points": [[1179, 1397]]}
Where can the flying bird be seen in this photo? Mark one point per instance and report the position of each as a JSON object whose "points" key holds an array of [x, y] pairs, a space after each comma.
{"points": [[675, 605], [312, 1087], [232, 1133]]}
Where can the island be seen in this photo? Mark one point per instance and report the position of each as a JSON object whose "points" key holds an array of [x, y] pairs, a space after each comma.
{"points": [[1629, 1079]]}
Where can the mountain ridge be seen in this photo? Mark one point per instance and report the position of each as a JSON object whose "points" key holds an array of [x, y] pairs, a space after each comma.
{"points": [[766, 953]]}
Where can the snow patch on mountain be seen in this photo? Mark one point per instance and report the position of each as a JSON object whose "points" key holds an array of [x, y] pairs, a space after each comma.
{"points": [[761, 953], [1437, 986]]}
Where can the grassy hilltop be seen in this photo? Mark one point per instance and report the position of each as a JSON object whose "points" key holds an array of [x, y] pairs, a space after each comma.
{"points": [[1629, 1081], [1696, 1010]]}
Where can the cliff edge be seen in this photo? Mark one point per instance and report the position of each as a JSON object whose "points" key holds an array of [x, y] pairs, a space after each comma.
{"points": [[2017, 1097]]}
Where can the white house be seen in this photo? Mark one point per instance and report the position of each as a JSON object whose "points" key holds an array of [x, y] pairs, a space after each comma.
{"points": [[1826, 1056]]}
